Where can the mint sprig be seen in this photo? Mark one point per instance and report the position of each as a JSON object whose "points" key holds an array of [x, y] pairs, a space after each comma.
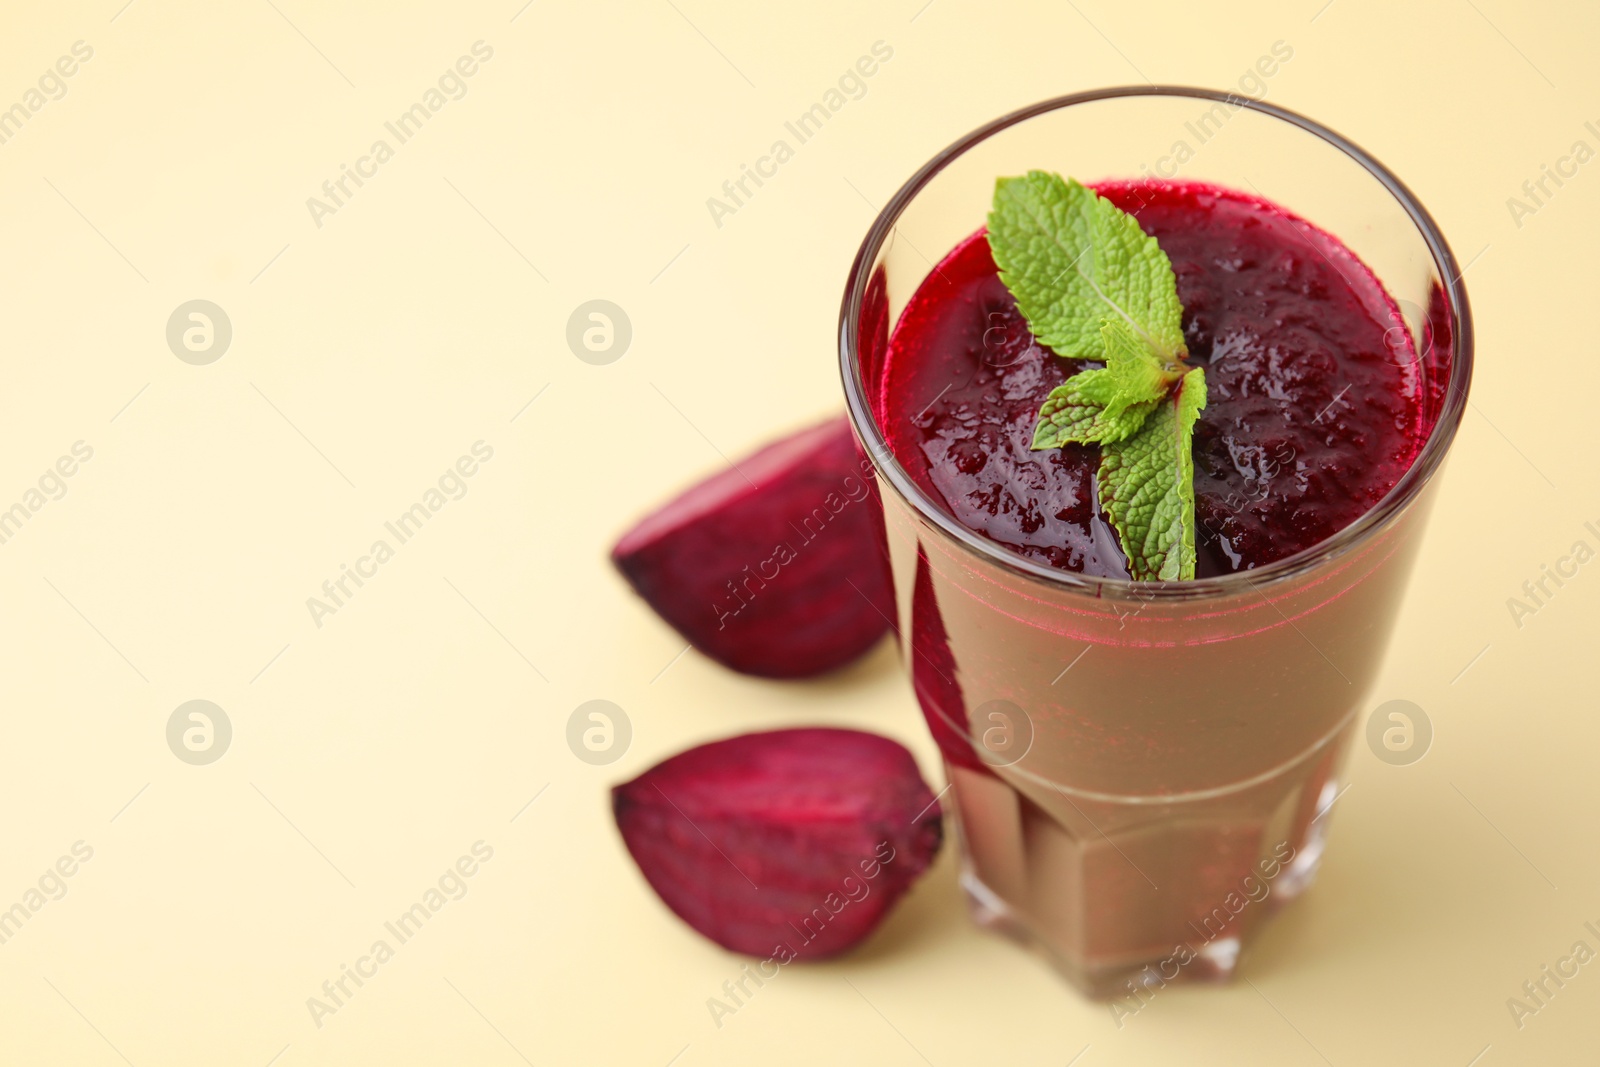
{"points": [[1092, 285]]}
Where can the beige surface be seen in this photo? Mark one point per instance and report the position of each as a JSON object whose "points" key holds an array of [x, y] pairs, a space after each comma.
{"points": [[420, 718]]}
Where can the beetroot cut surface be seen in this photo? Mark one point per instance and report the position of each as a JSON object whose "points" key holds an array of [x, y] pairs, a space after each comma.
{"points": [[791, 844], [773, 567]]}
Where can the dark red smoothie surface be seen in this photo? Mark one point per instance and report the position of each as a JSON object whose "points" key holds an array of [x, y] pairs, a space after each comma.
{"points": [[1315, 404]]}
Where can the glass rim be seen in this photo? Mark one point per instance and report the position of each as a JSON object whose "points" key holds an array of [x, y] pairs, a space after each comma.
{"points": [[1376, 518]]}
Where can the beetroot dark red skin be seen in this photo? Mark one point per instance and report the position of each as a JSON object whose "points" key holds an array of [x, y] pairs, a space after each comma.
{"points": [[775, 844], [782, 578]]}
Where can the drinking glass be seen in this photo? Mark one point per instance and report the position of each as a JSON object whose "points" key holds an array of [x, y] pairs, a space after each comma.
{"points": [[1142, 772]]}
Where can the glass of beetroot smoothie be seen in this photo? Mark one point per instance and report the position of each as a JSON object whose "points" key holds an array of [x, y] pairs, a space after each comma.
{"points": [[1142, 770]]}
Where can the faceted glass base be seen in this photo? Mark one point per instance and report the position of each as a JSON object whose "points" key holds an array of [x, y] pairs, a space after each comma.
{"points": [[1125, 897]]}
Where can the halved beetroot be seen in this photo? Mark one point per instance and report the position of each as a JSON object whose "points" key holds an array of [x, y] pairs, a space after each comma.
{"points": [[788, 844], [773, 567]]}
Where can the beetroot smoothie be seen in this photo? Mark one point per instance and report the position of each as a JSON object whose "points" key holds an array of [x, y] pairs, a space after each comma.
{"points": [[1139, 783], [1313, 413]]}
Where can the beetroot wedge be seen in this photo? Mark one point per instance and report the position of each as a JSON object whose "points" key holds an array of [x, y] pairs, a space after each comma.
{"points": [[792, 844], [774, 567]]}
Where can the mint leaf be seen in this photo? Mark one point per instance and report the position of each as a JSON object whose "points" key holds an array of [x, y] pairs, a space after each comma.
{"points": [[1077, 411], [1107, 405], [1138, 373], [1073, 260], [1147, 487]]}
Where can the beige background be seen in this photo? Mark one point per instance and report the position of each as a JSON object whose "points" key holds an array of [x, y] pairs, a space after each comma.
{"points": [[368, 354]]}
